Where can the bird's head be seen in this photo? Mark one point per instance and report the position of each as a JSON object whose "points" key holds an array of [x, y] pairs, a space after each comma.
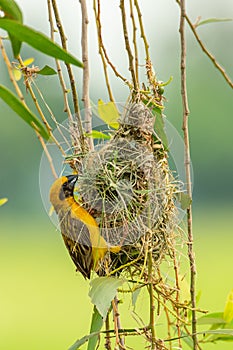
{"points": [[62, 189]]}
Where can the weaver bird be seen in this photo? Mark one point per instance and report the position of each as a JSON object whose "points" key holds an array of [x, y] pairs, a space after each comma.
{"points": [[79, 229]]}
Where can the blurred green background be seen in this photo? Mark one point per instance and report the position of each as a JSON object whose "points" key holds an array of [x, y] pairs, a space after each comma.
{"points": [[43, 302]]}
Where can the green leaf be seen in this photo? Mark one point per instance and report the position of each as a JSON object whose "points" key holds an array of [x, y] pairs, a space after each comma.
{"points": [[28, 61], [82, 341], [228, 311], [188, 340], [17, 106], [17, 74], [17, 71], [38, 41], [3, 201], [12, 12], [96, 325], [46, 70], [184, 200], [108, 113], [213, 20], [102, 292], [135, 295], [212, 318], [95, 134], [228, 332], [159, 127]]}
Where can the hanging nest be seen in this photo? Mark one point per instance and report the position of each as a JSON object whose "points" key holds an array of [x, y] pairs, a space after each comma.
{"points": [[128, 188]]}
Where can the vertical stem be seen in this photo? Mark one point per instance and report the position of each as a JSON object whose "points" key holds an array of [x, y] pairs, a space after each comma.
{"points": [[58, 65], [86, 75], [71, 76], [107, 337], [127, 45], [151, 296], [143, 35], [188, 173], [117, 324], [102, 50], [10, 72], [134, 39], [176, 270]]}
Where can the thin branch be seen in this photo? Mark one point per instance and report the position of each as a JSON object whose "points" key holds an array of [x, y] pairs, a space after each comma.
{"points": [[10, 72], [188, 173], [117, 324], [152, 305], [47, 155], [58, 144], [107, 337], [149, 67], [71, 76], [58, 65], [127, 45], [143, 35], [176, 271], [134, 39], [33, 96], [205, 50], [21, 97], [102, 49], [86, 75]]}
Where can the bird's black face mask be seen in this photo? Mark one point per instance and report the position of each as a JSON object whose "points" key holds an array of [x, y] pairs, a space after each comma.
{"points": [[67, 189]]}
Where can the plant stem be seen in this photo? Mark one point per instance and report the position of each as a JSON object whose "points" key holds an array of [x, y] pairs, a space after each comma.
{"points": [[65, 91], [127, 45], [107, 337], [119, 337], [188, 173], [205, 50], [21, 97], [86, 74], [151, 296], [71, 77], [103, 52], [134, 39], [143, 35]]}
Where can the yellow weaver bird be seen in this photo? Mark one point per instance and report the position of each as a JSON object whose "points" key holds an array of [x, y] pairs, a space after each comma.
{"points": [[79, 229]]}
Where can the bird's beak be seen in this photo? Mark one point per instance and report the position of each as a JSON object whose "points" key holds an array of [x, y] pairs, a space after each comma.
{"points": [[72, 179]]}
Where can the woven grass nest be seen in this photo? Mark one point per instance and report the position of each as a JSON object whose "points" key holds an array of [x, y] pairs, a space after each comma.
{"points": [[127, 186]]}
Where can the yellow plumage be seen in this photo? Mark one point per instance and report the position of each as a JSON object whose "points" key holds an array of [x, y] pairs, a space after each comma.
{"points": [[79, 229]]}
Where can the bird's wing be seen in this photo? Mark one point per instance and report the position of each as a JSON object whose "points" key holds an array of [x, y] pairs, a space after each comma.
{"points": [[77, 240]]}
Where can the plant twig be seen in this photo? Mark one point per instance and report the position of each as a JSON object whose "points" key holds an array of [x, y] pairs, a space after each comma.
{"points": [[152, 305], [107, 337], [143, 35], [103, 52], [21, 97], [117, 323], [134, 40], [205, 50], [71, 77], [43, 144], [86, 74], [127, 45], [176, 271], [188, 173], [48, 127], [10, 72], [58, 65]]}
